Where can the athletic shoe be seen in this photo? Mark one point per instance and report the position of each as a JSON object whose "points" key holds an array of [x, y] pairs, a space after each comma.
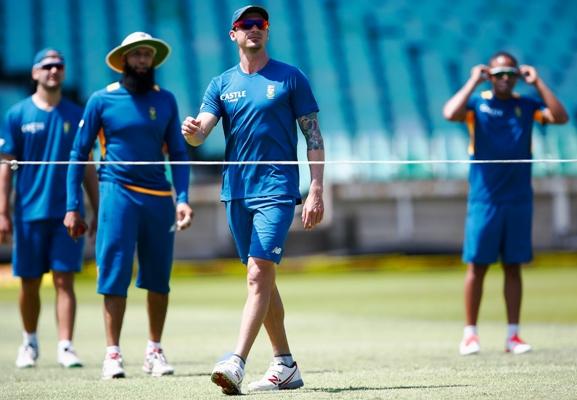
{"points": [[27, 356], [278, 377], [469, 345], [516, 346], [112, 367], [68, 359], [228, 376], [156, 365]]}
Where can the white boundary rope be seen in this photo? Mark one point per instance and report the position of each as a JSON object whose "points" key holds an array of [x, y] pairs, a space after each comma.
{"points": [[15, 163]]}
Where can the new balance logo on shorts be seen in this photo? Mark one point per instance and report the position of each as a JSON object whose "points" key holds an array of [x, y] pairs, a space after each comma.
{"points": [[277, 250]]}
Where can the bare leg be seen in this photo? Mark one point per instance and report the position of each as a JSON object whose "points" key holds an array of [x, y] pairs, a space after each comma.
{"points": [[513, 291], [274, 324], [474, 291], [65, 303], [29, 301], [114, 307], [157, 306], [260, 283]]}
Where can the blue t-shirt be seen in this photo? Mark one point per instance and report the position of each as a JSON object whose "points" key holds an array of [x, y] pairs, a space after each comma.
{"points": [[131, 128], [32, 134], [501, 130], [259, 113]]}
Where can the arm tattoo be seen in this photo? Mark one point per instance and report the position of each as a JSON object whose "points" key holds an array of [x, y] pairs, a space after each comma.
{"points": [[309, 125]]}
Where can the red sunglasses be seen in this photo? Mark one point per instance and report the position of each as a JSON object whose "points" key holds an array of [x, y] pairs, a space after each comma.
{"points": [[247, 24]]}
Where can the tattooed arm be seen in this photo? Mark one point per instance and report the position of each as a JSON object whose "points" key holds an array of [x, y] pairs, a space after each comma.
{"points": [[313, 208]]}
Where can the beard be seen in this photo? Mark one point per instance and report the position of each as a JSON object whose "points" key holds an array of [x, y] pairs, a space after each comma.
{"points": [[137, 82]]}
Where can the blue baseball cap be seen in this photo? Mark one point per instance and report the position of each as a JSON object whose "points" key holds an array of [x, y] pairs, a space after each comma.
{"points": [[48, 56], [241, 11]]}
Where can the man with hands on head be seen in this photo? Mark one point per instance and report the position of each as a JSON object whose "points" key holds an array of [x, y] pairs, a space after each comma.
{"points": [[500, 201], [260, 101]]}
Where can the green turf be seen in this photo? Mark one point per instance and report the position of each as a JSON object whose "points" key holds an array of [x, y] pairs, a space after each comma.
{"points": [[371, 335]]}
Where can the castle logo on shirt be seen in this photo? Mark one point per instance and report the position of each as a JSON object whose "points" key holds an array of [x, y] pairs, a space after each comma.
{"points": [[233, 97], [32, 127], [66, 127], [494, 112], [270, 92], [152, 113], [518, 112]]}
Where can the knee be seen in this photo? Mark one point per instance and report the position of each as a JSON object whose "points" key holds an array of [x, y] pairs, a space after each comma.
{"points": [[512, 271], [260, 275]]}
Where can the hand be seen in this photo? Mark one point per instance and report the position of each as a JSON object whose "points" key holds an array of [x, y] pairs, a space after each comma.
{"points": [[184, 216], [529, 74], [74, 224], [5, 228], [190, 127], [479, 73], [313, 209]]}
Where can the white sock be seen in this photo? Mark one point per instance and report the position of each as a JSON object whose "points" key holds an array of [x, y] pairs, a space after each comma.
{"points": [[470, 330], [112, 350], [512, 330], [152, 346], [64, 344], [286, 359], [30, 339]]}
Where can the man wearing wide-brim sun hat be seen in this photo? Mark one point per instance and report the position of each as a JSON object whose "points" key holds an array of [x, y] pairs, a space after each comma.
{"points": [[134, 120], [115, 58]]}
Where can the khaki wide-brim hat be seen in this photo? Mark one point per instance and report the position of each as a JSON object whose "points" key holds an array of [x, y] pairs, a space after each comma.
{"points": [[132, 41]]}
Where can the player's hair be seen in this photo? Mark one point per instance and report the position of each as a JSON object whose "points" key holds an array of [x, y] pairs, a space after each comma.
{"points": [[504, 54]]}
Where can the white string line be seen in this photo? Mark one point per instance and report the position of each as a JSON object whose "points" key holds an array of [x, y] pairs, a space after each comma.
{"points": [[16, 163]]}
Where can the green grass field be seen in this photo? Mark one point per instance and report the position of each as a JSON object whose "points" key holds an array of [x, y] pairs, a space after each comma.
{"points": [[364, 335]]}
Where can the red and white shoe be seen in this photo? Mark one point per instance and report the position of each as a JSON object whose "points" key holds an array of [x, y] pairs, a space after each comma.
{"points": [[515, 345], [113, 367], [469, 345], [278, 377]]}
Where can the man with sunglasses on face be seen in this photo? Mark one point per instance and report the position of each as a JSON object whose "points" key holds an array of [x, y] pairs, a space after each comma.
{"points": [[261, 101], [42, 127], [134, 120], [500, 202]]}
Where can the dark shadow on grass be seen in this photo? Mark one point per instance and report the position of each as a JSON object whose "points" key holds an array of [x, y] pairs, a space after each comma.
{"points": [[367, 389]]}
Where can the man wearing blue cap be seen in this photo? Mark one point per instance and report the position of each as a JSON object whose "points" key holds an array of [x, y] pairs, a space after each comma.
{"points": [[42, 128], [134, 120], [261, 101]]}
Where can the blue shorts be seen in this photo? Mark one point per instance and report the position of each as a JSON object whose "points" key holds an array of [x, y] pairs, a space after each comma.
{"points": [[493, 230], [260, 226], [129, 221], [44, 245]]}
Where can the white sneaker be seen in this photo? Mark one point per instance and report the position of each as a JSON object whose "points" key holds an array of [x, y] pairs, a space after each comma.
{"points": [[68, 359], [156, 365], [515, 345], [112, 367], [278, 377], [469, 345], [228, 376], [27, 356]]}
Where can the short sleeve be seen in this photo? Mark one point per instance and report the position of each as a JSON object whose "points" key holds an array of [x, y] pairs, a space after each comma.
{"points": [[211, 100], [303, 101]]}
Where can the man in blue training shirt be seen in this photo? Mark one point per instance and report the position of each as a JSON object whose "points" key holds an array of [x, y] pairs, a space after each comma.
{"points": [[500, 204], [260, 100], [134, 120], [42, 128]]}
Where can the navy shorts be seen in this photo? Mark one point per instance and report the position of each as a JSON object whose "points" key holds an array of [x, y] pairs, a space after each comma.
{"points": [[44, 245], [494, 231], [260, 226], [129, 221]]}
